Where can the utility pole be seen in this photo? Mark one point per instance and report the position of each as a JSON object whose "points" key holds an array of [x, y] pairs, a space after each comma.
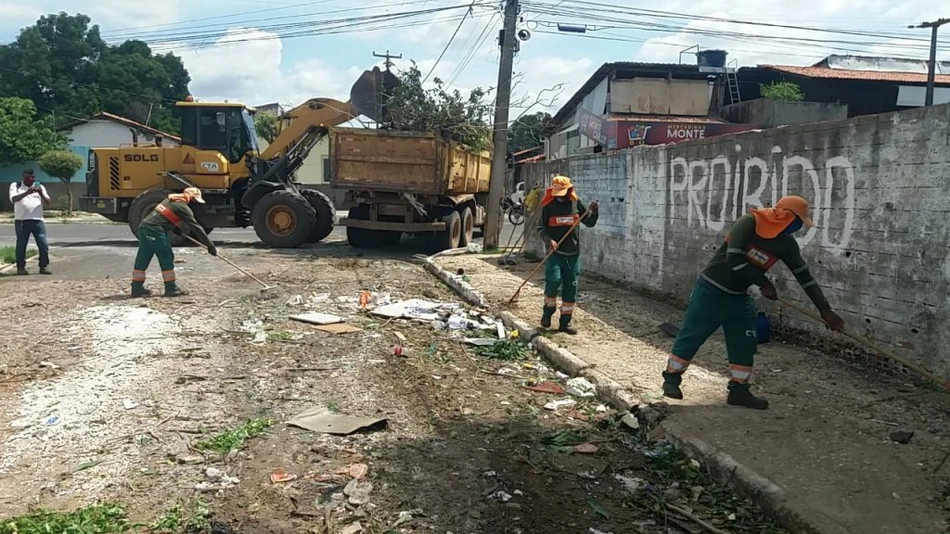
{"points": [[499, 164], [388, 58], [932, 67]]}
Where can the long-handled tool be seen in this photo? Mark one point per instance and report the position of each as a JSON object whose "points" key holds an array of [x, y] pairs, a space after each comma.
{"points": [[231, 263], [887, 354], [551, 252]]}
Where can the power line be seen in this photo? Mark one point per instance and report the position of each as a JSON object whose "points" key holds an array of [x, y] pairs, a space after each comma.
{"points": [[476, 47], [448, 44]]}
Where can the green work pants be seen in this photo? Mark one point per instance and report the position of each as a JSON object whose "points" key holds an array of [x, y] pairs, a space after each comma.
{"points": [[154, 242], [709, 308], [561, 273]]}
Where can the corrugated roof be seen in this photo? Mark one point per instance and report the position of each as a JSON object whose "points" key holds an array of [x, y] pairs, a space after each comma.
{"points": [[864, 75], [102, 115], [665, 118]]}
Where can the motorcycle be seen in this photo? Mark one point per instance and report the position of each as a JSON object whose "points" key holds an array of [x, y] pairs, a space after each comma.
{"points": [[515, 211]]}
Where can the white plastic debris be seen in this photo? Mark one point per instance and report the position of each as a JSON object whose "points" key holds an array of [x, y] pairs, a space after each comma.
{"points": [[631, 484], [500, 496], [474, 248], [558, 404], [631, 421], [130, 404], [581, 387]]}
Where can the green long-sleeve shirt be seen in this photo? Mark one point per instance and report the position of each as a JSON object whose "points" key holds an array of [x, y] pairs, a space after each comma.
{"points": [[186, 217], [557, 218], [745, 257]]}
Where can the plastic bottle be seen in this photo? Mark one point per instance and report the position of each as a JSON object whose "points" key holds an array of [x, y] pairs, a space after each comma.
{"points": [[763, 328]]}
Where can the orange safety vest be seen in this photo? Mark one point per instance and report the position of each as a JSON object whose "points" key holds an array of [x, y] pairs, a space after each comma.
{"points": [[172, 217]]}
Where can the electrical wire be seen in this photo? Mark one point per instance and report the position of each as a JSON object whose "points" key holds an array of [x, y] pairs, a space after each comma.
{"points": [[476, 47], [447, 45]]}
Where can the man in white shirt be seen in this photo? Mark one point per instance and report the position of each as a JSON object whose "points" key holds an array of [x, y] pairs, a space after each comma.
{"points": [[28, 199]]}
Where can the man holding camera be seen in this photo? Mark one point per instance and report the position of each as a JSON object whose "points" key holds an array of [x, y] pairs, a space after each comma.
{"points": [[28, 198]]}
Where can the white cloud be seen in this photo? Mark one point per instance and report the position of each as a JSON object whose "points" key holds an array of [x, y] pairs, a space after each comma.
{"points": [[245, 65], [127, 14]]}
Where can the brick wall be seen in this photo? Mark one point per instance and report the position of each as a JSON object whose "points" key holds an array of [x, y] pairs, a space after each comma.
{"points": [[879, 187]]}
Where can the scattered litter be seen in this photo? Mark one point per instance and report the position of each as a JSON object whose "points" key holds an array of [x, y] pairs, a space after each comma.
{"points": [[479, 342], [501, 330], [474, 248], [352, 528], [322, 420], [404, 517], [400, 352], [695, 464], [217, 480], [489, 474], [631, 484], [518, 492], [586, 448], [130, 404], [500, 496], [400, 336], [561, 376], [295, 300], [597, 508], [338, 328], [601, 408], [595, 531], [319, 319], [661, 450], [278, 476], [86, 465], [422, 310], [358, 471], [255, 327], [54, 420], [631, 421], [558, 404], [52, 366], [547, 387], [357, 492], [581, 387], [457, 322], [902, 437]]}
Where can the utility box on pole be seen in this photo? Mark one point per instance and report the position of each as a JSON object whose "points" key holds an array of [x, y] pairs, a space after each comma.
{"points": [[499, 165]]}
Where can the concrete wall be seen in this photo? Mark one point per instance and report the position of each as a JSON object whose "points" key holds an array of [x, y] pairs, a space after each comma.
{"points": [[880, 193], [772, 113]]}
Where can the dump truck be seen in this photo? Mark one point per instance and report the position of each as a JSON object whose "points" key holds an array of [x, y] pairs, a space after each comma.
{"points": [[242, 184], [408, 183]]}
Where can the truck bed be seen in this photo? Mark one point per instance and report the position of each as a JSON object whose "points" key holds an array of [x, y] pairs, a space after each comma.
{"points": [[362, 159]]}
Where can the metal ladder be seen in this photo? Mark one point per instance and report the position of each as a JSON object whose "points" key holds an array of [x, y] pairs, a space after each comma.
{"points": [[732, 79]]}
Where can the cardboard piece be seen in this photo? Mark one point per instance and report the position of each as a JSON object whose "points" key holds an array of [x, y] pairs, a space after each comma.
{"points": [[317, 318], [321, 420], [338, 328]]}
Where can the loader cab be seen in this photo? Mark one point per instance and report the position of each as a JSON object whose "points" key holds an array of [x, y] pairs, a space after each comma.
{"points": [[223, 127]]}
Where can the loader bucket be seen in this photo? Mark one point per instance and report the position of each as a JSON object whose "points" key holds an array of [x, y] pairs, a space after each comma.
{"points": [[368, 95]]}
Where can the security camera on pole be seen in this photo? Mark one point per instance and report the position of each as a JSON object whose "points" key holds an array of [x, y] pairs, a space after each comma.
{"points": [[499, 164]]}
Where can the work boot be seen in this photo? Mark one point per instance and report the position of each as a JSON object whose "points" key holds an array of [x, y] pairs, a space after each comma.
{"points": [[744, 397], [138, 290], [172, 290], [566, 327], [672, 391], [21, 271], [45, 270], [546, 315]]}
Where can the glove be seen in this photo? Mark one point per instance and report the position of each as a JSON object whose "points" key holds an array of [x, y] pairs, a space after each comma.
{"points": [[213, 250], [177, 231]]}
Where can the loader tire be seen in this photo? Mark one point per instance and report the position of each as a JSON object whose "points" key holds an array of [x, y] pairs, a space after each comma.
{"points": [[283, 219], [362, 237], [143, 205], [326, 215]]}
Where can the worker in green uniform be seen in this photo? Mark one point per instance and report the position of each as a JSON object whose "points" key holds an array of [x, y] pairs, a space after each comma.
{"points": [[561, 210], [171, 215], [720, 296]]}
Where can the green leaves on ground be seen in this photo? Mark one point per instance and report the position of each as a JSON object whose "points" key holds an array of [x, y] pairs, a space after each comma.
{"points": [[234, 439], [504, 349], [99, 519]]}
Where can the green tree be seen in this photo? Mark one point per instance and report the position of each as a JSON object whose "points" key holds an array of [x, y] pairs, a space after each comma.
{"points": [[62, 164], [448, 113], [527, 132], [24, 136], [782, 92], [265, 123], [64, 66]]}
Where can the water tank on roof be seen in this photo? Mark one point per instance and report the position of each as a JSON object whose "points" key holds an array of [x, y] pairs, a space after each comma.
{"points": [[711, 58]]}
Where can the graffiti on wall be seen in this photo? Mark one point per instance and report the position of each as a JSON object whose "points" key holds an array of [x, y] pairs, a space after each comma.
{"points": [[717, 191]]}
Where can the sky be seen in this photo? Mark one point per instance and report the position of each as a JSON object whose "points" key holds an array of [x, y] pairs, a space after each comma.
{"points": [[288, 51]]}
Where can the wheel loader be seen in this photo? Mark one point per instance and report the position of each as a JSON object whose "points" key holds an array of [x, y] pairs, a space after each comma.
{"points": [[241, 184]]}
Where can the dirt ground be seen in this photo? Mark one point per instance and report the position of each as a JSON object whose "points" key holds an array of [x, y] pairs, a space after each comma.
{"points": [[106, 399], [826, 440]]}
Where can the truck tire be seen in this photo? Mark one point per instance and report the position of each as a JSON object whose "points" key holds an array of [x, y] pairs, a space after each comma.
{"points": [[143, 205], [451, 236], [362, 237], [326, 215], [283, 219], [468, 227]]}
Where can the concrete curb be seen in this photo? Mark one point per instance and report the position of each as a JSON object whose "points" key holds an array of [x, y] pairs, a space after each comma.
{"points": [[750, 484]]}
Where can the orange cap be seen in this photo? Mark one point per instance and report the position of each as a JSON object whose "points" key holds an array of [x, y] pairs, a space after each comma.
{"points": [[798, 206], [560, 186]]}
